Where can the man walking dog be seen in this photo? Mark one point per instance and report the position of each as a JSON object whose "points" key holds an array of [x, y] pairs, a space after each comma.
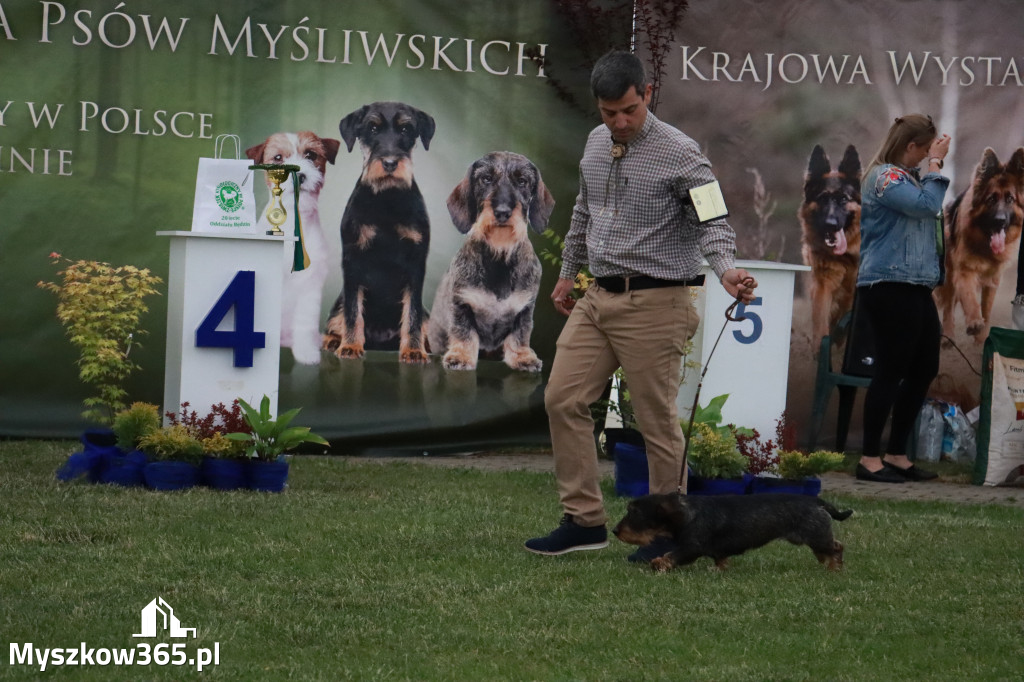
{"points": [[636, 227]]}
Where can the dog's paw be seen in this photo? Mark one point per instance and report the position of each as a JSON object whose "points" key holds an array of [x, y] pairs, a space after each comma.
{"points": [[350, 351], [525, 361], [330, 342], [414, 356], [975, 327], [306, 354], [456, 360], [662, 564]]}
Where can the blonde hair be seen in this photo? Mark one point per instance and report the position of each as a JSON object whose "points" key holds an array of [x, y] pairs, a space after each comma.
{"points": [[916, 128]]}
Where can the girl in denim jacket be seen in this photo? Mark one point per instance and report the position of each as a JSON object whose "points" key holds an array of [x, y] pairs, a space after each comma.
{"points": [[901, 262]]}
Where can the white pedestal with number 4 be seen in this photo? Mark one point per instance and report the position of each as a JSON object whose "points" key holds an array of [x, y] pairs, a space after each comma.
{"points": [[223, 319]]}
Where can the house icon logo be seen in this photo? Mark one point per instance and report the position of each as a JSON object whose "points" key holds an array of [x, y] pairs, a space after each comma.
{"points": [[158, 615]]}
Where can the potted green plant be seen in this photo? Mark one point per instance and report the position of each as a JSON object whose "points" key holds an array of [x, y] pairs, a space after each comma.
{"points": [[267, 442], [135, 422], [224, 465], [175, 453], [101, 308], [717, 465], [801, 470], [130, 426]]}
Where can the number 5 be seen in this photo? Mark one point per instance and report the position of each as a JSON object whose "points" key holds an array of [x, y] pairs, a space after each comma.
{"points": [[755, 320]]}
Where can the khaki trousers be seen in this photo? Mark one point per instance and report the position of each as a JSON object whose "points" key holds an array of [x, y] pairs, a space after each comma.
{"points": [[645, 333]]}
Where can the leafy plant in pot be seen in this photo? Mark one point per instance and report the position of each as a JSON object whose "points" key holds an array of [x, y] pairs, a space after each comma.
{"points": [[101, 308], [130, 426], [224, 465], [802, 470], [175, 453], [713, 453], [268, 441], [717, 464]]}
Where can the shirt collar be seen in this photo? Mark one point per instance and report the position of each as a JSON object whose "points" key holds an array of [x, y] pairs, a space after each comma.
{"points": [[649, 124]]}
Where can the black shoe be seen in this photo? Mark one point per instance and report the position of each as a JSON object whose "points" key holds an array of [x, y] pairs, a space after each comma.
{"points": [[883, 475], [569, 537], [660, 547], [913, 473]]}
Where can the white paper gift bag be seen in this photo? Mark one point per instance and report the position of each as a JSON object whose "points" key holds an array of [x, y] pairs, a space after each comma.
{"points": [[225, 200]]}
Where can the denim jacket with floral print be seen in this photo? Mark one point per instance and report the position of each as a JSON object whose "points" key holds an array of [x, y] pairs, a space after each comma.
{"points": [[900, 226]]}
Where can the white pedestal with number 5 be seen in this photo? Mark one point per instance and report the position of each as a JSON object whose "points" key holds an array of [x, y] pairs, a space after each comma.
{"points": [[223, 319], [751, 362]]}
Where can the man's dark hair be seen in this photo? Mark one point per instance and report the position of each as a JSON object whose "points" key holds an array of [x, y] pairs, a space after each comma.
{"points": [[615, 73]]}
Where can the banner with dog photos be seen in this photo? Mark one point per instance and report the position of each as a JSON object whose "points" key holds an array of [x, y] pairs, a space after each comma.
{"points": [[791, 100], [105, 108]]}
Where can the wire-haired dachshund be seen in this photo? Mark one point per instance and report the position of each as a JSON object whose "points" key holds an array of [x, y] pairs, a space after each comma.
{"points": [[385, 235], [722, 526], [485, 301]]}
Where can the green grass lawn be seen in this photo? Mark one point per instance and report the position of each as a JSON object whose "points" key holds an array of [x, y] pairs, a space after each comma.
{"points": [[371, 571]]}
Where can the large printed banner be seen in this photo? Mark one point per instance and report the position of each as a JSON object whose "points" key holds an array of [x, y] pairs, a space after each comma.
{"points": [[107, 107], [791, 100]]}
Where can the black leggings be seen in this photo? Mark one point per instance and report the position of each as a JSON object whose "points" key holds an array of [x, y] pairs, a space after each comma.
{"points": [[907, 334]]}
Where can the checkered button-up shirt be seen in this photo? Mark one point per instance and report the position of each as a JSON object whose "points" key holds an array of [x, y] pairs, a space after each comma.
{"points": [[633, 215]]}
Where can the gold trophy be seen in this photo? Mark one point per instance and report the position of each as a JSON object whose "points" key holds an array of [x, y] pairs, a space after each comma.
{"points": [[276, 214]]}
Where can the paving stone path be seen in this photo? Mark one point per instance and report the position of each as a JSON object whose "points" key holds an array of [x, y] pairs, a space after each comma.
{"points": [[833, 482]]}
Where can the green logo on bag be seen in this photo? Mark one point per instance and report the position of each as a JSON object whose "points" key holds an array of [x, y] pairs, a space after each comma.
{"points": [[229, 196]]}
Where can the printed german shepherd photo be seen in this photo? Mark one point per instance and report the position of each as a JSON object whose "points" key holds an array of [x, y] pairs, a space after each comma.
{"points": [[983, 227], [830, 223]]}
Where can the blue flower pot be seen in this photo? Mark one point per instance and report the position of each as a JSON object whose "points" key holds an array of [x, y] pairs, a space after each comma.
{"points": [[812, 486], [269, 477], [223, 474], [125, 470], [170, 475], [631, 474], [767, 485], [627, 448], [718, 486], [98, 446]]}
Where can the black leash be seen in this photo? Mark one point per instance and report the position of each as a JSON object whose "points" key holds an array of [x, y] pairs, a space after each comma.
{"points": [[746, 282]]}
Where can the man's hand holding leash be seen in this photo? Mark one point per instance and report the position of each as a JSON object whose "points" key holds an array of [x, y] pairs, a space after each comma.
{"points": [[562, 296], [740, 284]]}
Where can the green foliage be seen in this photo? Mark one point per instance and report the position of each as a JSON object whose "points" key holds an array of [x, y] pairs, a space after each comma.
{"points": [[796, 465], [172, 442], [135, 422], [212, 428], [552, 252], [101, 307], [711, 416], [713, 453], [220, 446], [271, 438]]}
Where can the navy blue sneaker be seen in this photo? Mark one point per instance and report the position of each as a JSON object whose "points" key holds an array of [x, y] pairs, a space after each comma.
{"points": [[660, 547], [569, 537]]}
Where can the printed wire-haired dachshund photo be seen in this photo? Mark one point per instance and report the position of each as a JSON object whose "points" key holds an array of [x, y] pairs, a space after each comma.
{"points": [[723, 526], [385, 236], [485, 301], [830, 224]]}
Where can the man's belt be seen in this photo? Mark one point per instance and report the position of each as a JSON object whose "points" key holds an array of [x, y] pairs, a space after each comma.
{"points": [[618, 285]]}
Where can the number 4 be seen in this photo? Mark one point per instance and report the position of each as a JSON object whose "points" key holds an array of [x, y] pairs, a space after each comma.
{"points": [[240, 295]]}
